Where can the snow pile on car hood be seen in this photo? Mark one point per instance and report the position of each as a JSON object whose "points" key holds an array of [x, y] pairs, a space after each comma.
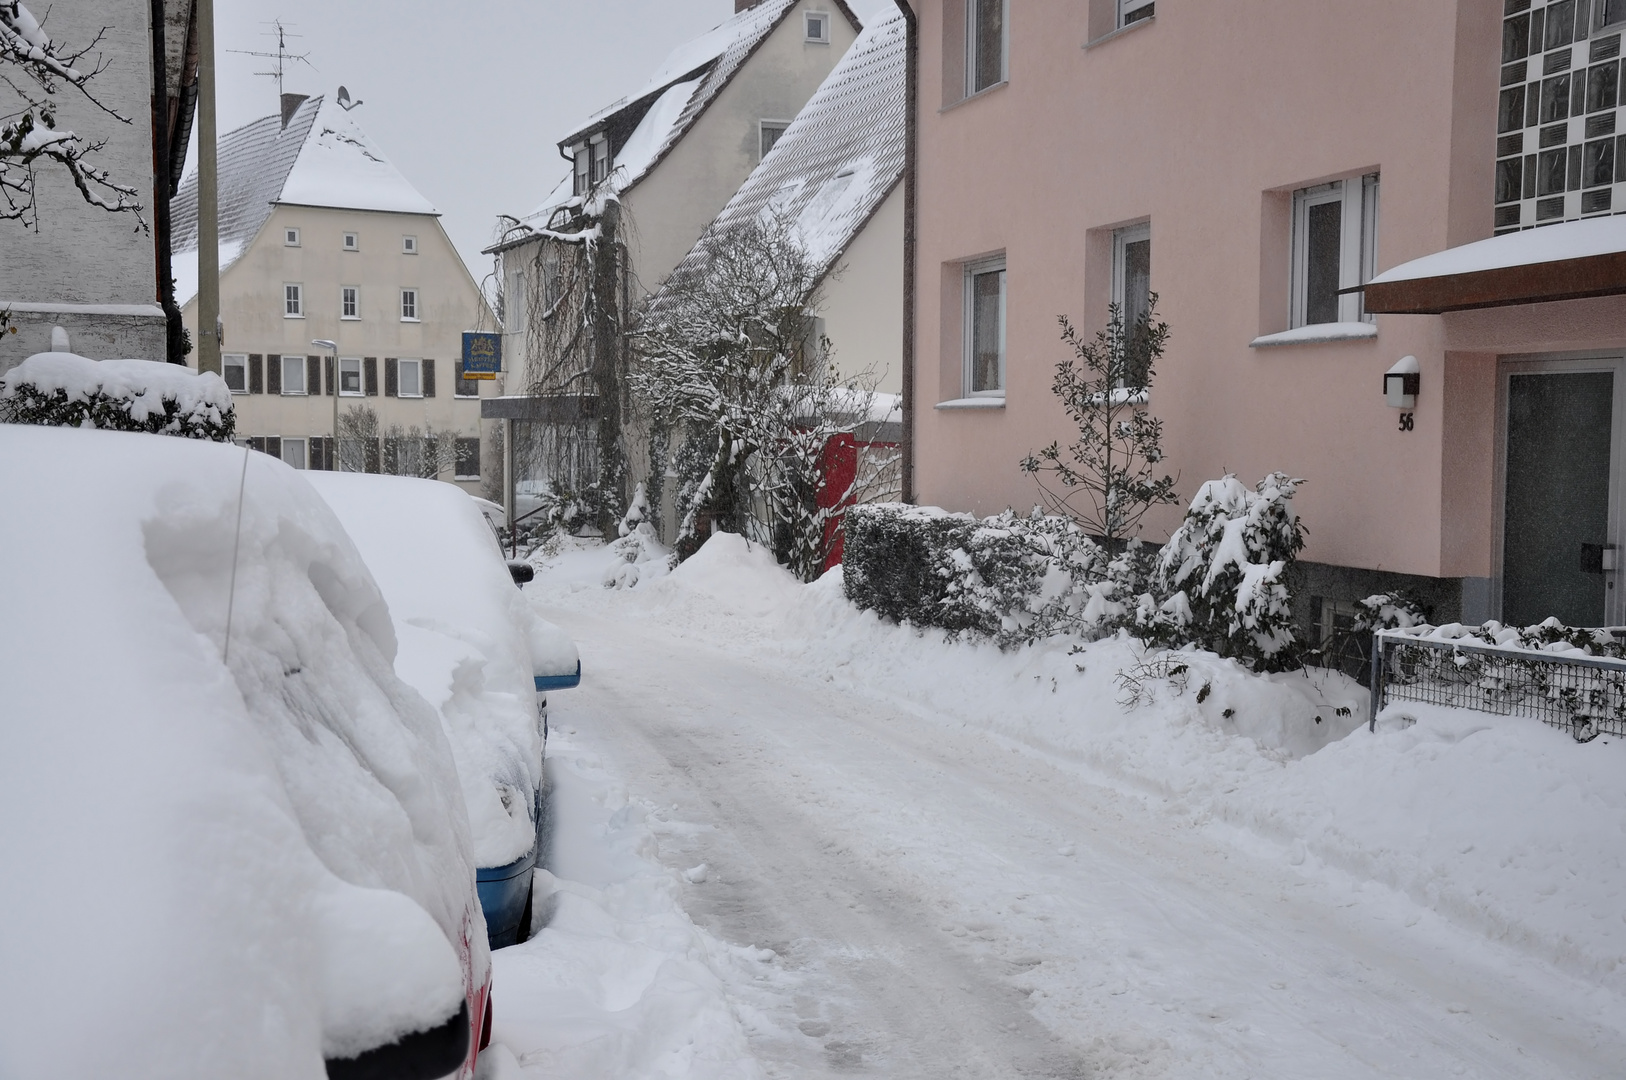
{"points": [[212, 869], [470, 644]]}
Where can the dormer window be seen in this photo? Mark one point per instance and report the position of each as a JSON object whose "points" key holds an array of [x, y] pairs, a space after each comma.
{"points": [[583, 164], [818, 26], [601, 160]]}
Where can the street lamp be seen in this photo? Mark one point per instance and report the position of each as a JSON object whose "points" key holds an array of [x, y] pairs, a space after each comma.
{"points": [[333, 348]]}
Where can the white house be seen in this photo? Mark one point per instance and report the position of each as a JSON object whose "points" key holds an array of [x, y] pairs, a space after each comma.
{"points": [[649, 174], [833, 178], [321, 238]]}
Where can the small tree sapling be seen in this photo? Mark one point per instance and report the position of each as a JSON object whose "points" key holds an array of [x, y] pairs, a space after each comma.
{"points": [[1108, 479]]}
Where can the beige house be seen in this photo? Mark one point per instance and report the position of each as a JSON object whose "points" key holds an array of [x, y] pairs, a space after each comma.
{"points": [[833, 178], [648, 175], [321, 239]]}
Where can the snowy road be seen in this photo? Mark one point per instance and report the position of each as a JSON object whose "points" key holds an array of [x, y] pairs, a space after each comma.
{"points": [[945, 903]]}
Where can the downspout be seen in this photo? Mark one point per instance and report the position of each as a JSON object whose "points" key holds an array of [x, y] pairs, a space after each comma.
{"points": [[161, 187], [910, 134]]}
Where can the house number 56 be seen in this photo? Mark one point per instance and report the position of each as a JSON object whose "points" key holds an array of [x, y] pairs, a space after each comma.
{"points": [[1405, 421]]}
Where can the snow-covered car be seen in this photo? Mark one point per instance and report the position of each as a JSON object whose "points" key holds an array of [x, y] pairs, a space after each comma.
{"points": [[472, 646], [234, 840]]}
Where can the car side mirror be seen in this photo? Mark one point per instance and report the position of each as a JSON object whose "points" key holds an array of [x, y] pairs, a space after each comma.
{"points": [[521, 571]]}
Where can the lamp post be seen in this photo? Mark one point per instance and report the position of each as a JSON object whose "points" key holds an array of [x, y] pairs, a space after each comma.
{"points": [[333, 349]]}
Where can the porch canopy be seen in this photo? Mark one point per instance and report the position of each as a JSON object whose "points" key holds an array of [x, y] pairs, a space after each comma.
{"points": [[1567, 261]]}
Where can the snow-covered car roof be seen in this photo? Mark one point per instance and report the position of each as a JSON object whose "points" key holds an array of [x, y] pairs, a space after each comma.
{"points": [[469, 643], [223, 857]]}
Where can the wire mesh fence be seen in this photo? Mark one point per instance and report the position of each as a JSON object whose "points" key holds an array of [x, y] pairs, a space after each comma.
{"points": [[1584, 695]]}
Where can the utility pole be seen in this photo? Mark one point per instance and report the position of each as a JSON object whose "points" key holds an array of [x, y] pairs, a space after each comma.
{"points": [[208, 197]]}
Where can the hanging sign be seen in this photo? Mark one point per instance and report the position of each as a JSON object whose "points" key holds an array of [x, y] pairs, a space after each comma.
{"points": [[482, 355]]}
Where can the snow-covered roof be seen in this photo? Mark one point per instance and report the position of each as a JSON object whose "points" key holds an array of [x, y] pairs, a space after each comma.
{"points": [[321, 158], [838, 160], [672, 99], [1552, 243], [1570, 260]]}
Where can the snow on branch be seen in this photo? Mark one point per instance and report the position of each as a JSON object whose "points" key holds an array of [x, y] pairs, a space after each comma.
{"points": [[35, 68]]}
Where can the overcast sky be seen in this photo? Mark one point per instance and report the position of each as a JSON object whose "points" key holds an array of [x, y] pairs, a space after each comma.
{"points": [[467, 99]]}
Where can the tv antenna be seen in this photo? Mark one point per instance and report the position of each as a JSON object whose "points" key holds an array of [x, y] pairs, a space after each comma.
{"points": [[282, 56]]}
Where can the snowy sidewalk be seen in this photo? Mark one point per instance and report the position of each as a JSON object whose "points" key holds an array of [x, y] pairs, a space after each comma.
{"points": [[901, 877]]}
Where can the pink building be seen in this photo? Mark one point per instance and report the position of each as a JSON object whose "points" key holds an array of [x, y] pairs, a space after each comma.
{"points": [[1255, 163]]}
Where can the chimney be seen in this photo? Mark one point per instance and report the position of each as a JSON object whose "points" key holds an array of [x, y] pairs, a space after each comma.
{"points": [[742, 5], [290, 105]]}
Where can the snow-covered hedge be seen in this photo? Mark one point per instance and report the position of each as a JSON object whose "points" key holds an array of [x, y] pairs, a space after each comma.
{"points": [[1220, 582], [64, 390]]}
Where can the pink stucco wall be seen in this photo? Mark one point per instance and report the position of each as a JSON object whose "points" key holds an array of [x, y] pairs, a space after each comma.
{"points": [[1203, 122]]}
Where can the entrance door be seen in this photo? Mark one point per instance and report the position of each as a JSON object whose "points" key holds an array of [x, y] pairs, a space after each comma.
{"points": [[1562, 426]]}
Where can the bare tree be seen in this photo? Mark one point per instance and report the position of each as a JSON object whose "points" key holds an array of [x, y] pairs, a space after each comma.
{"points": [[733, 371], [36, 69]]}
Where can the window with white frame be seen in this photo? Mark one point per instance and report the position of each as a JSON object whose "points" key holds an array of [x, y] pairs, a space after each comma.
{"points": [[581, 169], [985, 328], [1334, 249], [409, 305], [410, 378], [290, 237], [293, 375], [352, 242], [985, 45], [1133, 11], [1132, 293], [601, 160], [293, 453], [293, 300], [409, 245], [769, 132], [234, 369], [349, 302], [817, 26], [350, 376]]}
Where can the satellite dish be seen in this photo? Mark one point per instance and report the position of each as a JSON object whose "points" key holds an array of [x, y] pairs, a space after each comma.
{"points": [[344, 100]]}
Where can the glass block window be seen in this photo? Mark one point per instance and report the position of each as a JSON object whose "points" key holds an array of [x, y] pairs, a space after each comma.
{"points": [[1557, 154]]}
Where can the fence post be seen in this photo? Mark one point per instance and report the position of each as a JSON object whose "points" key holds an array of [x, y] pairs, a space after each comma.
{"points": [[1376, 680]]}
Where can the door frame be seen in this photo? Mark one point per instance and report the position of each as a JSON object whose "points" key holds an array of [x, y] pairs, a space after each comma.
{"points": [[1614, 362]]}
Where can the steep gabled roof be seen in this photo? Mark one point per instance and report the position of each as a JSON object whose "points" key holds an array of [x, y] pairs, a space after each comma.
{"points": [[321, 158], [838, 160], [644, 127]]}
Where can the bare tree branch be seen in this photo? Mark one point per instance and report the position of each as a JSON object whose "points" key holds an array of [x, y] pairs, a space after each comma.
{"points": [[30, 135]]}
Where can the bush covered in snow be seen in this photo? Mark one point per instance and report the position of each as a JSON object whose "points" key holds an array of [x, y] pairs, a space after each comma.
{"points": [[1219, 584], [65, 390], [1222, 573]]}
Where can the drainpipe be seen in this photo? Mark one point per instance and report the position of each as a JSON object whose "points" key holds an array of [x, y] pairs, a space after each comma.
{"points": [[910, 137], [208, 341], [161, 186]]}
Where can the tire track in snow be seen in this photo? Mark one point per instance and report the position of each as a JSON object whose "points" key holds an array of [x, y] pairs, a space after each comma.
{"points": [[909, 873]]}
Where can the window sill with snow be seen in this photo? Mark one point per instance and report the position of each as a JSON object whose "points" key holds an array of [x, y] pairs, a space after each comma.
{"points": [[1316, 334]]}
